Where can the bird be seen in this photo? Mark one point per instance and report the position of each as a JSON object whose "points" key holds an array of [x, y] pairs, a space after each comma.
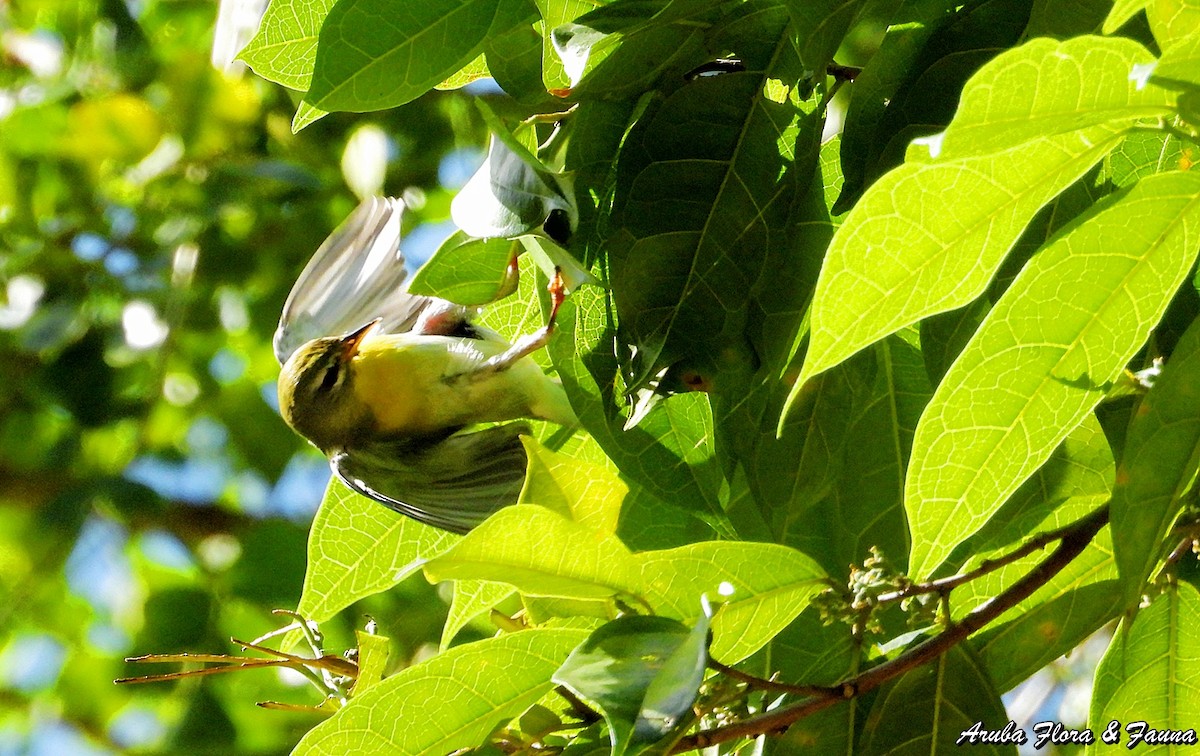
{"points": [[391, 386]]}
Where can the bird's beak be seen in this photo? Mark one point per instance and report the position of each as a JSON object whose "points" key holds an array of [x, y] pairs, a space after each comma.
{"points": [[351, 341]]}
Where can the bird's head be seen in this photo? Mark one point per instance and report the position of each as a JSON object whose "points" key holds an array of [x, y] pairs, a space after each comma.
{"points": [[316, 391]]}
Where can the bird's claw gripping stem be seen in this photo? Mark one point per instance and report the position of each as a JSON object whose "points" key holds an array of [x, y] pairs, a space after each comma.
{"points": [[526, 345]]}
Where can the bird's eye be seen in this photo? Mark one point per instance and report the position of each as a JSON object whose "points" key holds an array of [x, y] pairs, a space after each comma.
{"points": [[330, 379]]}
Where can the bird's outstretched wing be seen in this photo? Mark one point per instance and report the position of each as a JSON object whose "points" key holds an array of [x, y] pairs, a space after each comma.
{"points": [[453, 484], [357, 275]]}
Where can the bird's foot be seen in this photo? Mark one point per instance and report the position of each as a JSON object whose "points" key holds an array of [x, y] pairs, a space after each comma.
{"points": [[526, 345]]}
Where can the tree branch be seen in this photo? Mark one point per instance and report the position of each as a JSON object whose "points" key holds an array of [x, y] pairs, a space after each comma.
{"points": [[1073, 539]]}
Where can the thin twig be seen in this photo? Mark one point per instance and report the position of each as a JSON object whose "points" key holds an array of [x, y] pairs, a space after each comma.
{"points": [[944, 585], [1073, 539], [763, 683]]}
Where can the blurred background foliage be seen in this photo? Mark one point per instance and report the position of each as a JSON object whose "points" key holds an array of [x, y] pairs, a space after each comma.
{"points": [[154, 212]]}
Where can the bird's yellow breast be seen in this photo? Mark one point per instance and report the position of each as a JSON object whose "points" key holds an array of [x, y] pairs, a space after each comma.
{"points": [[404, 380]]}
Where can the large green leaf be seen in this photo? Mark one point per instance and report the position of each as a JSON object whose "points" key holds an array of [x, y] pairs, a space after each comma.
{"points": [[541, 553], [762, 587], [452, 701], [697, 209], [467, 271], [590, 494], [373, 54], [1031, 122], [1150, 671], [925, 711], [357, 548], [670, 452], [1162, 451], [1077, 479], [1041, 361]]}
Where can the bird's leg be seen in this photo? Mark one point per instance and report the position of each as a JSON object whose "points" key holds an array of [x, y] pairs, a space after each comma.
{"points": [[526, 345]]}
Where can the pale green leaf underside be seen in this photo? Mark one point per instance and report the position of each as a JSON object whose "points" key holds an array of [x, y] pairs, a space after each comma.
{"points": [[1043, 357], [449, 702], [357, 548]]}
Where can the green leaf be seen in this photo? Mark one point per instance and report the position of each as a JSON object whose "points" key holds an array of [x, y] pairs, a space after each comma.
{"points": [[1122, 11], [1002, 158], [1162, 451], [1067, 87], [285, 47], [1146, 153], [306, 115], [588, 493], [621, 50], [468, 271], [1179, 65], [1052, 359], [471, 599], [373, 651], [852, 500], [510, 194], [1173, 20], [554, 14], [697, 210], [474, 71], [357, 548], [515, 61], [670, 453], [452, 701], [1150, 670], [820, 27], [372, 55], [1016, 649], [641, 672], [1062, 19], [1077, 479], [541, 553], [767, 587], [927, 709]]}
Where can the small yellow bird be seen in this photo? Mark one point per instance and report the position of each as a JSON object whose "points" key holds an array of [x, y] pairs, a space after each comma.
{"points": [[391, 402]]}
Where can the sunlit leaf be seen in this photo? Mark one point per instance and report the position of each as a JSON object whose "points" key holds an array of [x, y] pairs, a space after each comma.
{"points": [[1040, 363], [452, 701], [362, 64], [541, 553], [358, 547], [761, 587], [1000, 160]]}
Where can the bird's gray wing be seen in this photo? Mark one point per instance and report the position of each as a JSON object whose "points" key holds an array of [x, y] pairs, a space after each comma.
{"points": [[453, 484], [358, 274]]}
